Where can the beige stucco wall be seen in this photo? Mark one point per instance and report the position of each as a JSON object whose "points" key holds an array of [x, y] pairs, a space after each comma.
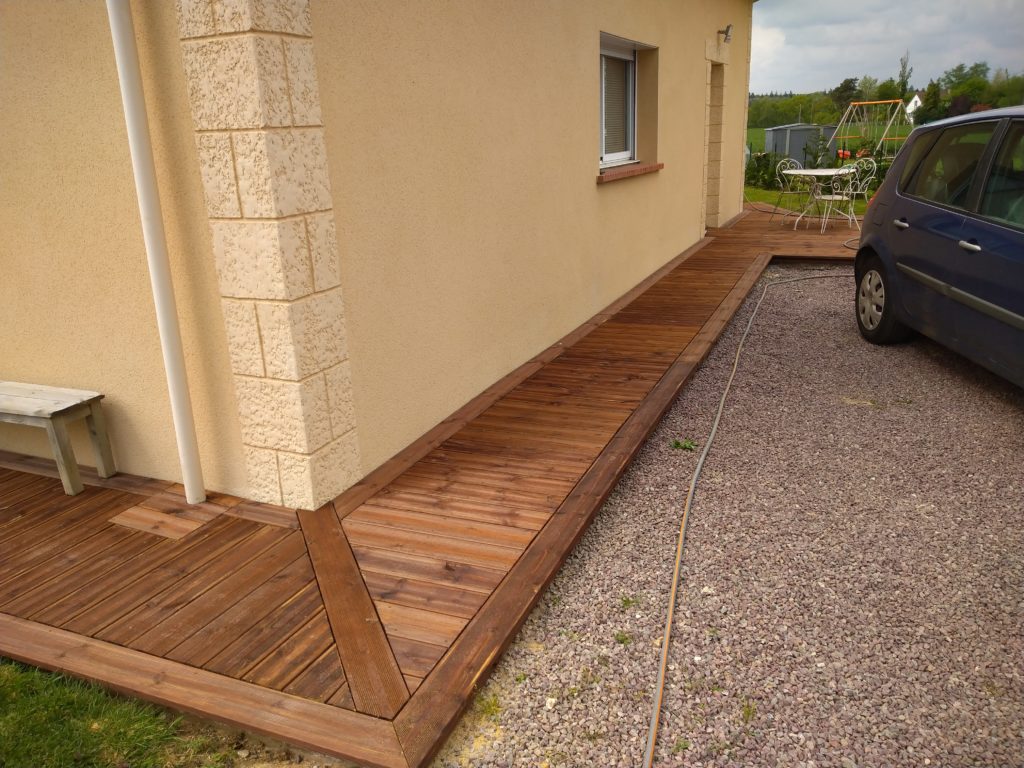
{"points": [[463, 151], [75, 302]]}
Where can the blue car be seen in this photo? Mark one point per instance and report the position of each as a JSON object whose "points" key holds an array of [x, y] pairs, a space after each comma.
{"points": [[942, 247]]}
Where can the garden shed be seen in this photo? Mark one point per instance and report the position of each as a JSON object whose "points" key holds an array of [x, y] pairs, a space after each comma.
{"points": [[792, 140]]}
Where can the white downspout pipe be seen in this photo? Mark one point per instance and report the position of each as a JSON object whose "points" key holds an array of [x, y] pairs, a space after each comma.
{"points": [[127, 55]]}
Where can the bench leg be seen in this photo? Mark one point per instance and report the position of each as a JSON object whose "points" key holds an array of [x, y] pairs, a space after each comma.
{"points": [[100, 442], [57, 431]]}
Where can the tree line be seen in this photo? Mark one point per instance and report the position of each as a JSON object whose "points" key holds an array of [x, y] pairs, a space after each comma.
{"points": [[959, 90]]}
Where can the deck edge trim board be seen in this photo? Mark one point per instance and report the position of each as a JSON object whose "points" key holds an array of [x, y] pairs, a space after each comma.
{"points": [[371, 668], [299, 721]]}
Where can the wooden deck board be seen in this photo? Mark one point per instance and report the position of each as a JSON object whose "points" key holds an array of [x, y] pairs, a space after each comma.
{"points": [[175, 627], [363, 631], [373, 673], [243, 614], [131, 625]]}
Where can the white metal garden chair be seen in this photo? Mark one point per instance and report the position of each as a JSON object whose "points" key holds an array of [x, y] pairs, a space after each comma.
{"points": [[789, 186], [866, 170], [837, 197]]}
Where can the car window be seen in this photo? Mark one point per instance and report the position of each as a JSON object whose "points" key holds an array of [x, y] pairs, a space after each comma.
{"points": [[917, 150], [946, 172], [1003, 198]]}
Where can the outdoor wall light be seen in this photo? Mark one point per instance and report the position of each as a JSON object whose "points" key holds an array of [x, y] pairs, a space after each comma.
{"points": [[727, 32]]}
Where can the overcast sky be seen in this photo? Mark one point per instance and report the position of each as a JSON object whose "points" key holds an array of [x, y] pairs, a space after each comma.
{"points": [[813, 45]]}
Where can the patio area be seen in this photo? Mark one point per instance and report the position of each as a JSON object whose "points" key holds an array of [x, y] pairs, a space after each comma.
{"points": [[362, 629]]}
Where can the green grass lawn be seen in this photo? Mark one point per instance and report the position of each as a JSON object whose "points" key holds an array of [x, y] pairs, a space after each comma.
{"points": [[767, 198], [51, 721], [755, 139]]}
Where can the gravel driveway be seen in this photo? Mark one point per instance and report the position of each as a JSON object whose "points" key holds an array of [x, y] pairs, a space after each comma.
{"points": [[853, 582]]}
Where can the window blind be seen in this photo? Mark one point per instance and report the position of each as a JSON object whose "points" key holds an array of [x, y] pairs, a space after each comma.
{"points": [[616, 107]]}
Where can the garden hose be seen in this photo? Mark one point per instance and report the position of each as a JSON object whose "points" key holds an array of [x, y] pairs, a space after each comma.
{"points": [[652, 733]]}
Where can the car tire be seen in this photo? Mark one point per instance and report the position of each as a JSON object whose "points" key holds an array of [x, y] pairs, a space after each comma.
{"points": [[875, 304]]}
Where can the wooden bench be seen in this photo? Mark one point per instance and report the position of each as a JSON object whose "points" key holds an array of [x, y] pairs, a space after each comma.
{"points": [[53, 408]]}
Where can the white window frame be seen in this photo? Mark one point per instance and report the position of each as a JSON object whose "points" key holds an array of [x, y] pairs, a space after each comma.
{"points": [[628, 55]]}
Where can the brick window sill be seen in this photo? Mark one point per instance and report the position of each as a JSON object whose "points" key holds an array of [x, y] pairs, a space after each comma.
{"points": [[628, 171]]}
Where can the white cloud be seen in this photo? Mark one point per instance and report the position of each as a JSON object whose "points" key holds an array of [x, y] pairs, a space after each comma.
{"points": [[814, 46], [768, 45]]}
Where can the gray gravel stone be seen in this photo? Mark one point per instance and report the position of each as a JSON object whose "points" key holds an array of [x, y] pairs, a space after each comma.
{"points": [[853, 582]]}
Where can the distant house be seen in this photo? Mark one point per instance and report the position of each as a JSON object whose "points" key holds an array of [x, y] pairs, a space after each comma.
{"points": [[916, 101], [373, 210]]}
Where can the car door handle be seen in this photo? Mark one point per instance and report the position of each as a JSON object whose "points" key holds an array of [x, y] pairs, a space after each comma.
{"points": [[900, 224], [973, 247]]}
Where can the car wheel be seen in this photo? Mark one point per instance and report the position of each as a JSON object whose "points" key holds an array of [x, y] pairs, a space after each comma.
{"points": [[876, 305]]}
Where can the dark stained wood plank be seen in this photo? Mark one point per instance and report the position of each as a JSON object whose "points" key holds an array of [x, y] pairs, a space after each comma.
{"points": [[557, 411], [307, 724], [430, 545], [16, 508], [130, 595], [322, 679], [49, 579], [46, 515], [436, 570], [29, 550], [416, 658], [243, 614], [11, 484], [171, 630], [83, 595], [267, 514], [467, 509], [423, 594], [371, 670], [456, 528], [343, 697], [498, 445], [289, 659], [260, 640], [191, 586], [522, 437], [435, 484], [418, 624], [516, 468], [536, 481]]}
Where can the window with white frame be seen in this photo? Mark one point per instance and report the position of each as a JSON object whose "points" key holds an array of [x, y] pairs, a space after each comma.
{"points": [[618, 101], [621, 62]]}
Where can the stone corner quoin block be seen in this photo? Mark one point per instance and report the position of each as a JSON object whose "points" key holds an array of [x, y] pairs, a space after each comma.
{"points": [[288, 16], [312, 480], [303, 337], [282, 173], [284, 415], [262, 259], [236, 83], [263, 475]]}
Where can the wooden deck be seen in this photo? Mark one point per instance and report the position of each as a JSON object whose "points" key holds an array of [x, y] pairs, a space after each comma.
{"points": [[362, 628]]}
